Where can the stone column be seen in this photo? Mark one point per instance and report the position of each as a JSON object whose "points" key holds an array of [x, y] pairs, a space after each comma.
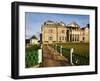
{"points": [[69, 37], [74, 37]]}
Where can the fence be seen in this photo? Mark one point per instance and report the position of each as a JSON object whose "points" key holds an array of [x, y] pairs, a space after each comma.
{"points": [[63, 51], [80, 60], [72, 57]]}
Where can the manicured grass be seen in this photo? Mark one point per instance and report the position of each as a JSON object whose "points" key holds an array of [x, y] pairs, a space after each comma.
{"points": [[79, 48], [80, 55]]}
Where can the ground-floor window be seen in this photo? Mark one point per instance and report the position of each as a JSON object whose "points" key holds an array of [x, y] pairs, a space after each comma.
{"points": [[62, 38], [50, 38], [72, 37]]}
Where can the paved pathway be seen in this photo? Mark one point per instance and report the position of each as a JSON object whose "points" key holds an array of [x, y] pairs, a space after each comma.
{"points": [[52, 58]]}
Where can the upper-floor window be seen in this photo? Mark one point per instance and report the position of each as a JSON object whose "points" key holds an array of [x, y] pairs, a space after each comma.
{"points": [[63, 31], [83, 38], [70, 30], [83, 33], [50, 30], [62, 38]]}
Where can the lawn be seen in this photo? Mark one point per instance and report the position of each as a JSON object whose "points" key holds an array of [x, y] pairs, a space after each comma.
{"points": [[79, 48], [80, 54]]}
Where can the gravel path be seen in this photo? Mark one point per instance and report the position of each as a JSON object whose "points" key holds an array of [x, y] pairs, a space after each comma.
{"points": [[52, 58]]}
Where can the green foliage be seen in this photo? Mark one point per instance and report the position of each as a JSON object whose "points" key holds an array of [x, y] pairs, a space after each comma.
{"points": [[31, 56], [33, 47]]}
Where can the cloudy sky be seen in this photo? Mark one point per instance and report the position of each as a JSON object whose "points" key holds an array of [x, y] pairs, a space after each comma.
{"points": [[33, 21]]}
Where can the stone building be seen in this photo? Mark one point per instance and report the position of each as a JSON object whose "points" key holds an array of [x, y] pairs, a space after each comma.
{"points": [[54, 32], [33, 40]]}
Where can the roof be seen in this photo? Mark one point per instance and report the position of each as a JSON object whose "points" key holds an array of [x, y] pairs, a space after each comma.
{"points": [[53, 24], [86, 27], [73, 24], [33, 37], [49, 22]]}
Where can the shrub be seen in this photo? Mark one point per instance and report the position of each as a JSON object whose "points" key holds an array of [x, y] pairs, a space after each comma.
{"points": [[31, 56]]}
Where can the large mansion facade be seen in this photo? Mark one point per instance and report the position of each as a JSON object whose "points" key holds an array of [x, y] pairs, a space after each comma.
{"points": [[54, 32]]}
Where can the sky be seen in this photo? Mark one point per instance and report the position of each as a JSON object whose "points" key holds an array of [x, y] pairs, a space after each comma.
{"points": [[34, 21]]}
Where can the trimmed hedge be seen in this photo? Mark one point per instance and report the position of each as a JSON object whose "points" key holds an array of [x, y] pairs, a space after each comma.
{"points": [[31, 56]]}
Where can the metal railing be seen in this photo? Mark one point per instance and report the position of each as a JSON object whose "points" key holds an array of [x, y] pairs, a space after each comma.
{"points": [[73, 58], [80, 60]]}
